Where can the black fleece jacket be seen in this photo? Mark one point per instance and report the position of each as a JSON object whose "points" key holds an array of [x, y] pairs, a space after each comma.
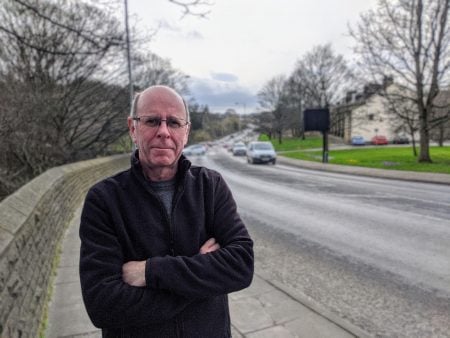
{"points": [[186, 292]]}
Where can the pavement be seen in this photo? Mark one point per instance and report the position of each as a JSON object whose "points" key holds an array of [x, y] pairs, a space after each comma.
{"points": [[265, 309], [262, 310]]}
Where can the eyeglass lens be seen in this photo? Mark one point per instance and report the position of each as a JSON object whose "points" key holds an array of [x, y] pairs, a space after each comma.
{"points": [[155, 121]]}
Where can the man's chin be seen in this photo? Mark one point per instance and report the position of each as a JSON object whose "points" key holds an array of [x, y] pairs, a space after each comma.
{"points": [[163, 161]]}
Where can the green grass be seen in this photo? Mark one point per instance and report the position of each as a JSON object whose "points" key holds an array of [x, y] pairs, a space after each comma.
{"points": [[292, 144], [392, 158]]}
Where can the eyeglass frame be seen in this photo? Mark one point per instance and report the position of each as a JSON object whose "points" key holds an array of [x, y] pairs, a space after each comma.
{"points": [[160, 120]]}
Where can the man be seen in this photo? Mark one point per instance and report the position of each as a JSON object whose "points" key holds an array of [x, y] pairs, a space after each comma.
{"points": [[162, 243]]}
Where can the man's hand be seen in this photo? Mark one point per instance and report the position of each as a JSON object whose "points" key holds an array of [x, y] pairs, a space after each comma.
{"points": [[209, 246], [133, 273]]}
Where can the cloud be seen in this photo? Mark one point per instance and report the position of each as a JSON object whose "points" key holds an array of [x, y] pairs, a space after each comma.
{"points": [[175, 30], [226, 77], [164, 24], [194, 35], [220, 95]]}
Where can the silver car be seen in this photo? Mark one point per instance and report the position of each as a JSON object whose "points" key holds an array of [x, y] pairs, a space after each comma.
{"points": [[261, 152], [239, 149], [194, 150]]}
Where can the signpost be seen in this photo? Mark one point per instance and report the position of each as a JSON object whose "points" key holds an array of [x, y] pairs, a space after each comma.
{"points": [[318, 119]]}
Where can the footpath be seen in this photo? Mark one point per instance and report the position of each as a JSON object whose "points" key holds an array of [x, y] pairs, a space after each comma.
{"points": [[264, 310]]}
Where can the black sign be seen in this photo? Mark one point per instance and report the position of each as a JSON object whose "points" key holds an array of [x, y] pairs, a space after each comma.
{"points": [[316, 119]]}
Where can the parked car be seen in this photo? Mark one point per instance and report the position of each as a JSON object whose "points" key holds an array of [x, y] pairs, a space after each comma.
{"points": [[358, 141], [400, 139], [239, 149], [261, 152], [379, 140], [194, 150]]}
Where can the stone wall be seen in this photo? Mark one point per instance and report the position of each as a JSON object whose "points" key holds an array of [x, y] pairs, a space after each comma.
{"points": [[32, 222]]}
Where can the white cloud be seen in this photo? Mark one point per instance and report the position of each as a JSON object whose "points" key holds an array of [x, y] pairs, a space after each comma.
{"points": [[253, 40], [221, 95], [226, 77]]}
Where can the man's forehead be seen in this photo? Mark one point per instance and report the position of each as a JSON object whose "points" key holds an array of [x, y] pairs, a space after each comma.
{"points": [[155, 97]]}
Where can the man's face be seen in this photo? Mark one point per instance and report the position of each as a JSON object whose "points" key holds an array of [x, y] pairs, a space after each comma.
{"points": [[159, 146]]}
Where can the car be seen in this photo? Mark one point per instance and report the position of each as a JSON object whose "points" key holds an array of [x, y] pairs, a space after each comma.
{"points": [[358, 141], [379, 140], [239, 149], [400, 139], [261, 152], [194, 150]]}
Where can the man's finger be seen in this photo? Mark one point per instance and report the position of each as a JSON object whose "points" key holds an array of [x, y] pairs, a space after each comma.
{"points": [[209, 246]]}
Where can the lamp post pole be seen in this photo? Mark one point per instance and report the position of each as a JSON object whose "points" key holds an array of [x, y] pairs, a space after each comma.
{"points": [[239, 115], [130, 80]]}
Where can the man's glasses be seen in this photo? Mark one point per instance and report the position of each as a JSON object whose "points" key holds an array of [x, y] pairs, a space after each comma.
{"points": [[172, 122]]}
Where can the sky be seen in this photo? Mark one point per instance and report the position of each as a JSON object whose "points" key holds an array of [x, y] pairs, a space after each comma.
{"points": [[242, 44]]}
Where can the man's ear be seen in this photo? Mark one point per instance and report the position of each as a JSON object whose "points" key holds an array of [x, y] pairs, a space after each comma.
{"points": [[186, 137], [132, 129]]}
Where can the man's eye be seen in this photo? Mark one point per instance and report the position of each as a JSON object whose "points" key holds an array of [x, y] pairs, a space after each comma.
{"points": [[173, 123], [152, 121]]}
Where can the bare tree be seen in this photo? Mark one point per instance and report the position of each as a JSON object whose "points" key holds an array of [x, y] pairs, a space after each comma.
{"points": [[319, 79], [151, 69], [295, 101], [404, 117], [410, 40], [272, 98], [53, 56], [193, 7], [62, 82], [323, 75]]}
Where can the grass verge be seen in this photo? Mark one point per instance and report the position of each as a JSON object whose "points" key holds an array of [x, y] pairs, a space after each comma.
{"points": [[382, 157]]}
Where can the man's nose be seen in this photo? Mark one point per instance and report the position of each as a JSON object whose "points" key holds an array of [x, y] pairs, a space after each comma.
{"points": [[163, 129]]}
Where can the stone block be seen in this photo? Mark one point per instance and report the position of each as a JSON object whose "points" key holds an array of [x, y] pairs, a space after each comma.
{"points": [[5, 272], [15, 285], [6, 239]]}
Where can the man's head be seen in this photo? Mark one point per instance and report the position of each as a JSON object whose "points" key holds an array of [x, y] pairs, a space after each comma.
{"points": [[159, 126]]}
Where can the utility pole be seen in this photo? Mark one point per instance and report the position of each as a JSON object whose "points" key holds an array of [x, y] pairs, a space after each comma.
{"points": [[130, 79]]}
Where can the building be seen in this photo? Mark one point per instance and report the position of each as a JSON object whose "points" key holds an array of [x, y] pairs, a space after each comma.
{"points": [[365, 114]]}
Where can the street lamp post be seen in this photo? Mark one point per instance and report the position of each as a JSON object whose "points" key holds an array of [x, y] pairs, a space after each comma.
{"points": [[239, 115], [130, 80]]}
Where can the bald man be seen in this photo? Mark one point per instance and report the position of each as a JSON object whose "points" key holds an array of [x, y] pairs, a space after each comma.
{"points": [[162, 243]]}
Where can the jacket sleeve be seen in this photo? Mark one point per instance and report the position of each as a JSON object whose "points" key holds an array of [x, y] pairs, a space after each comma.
{"points": [[109, 301], [220, 272]]}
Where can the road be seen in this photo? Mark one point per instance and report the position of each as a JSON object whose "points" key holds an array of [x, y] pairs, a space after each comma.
{"points": [[375, 252]]}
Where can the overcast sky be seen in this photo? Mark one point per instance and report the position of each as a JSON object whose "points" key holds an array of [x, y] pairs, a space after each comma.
{"points": [[242, 44]]}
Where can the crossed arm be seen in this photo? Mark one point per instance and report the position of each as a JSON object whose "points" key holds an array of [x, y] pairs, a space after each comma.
{"points": [[133, 272]]}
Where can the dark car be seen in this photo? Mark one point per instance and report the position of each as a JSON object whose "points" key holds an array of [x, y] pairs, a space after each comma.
{"points": [[400, 139], [379, 140]]}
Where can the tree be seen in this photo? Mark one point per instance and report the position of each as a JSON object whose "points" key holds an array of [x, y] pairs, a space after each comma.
{"points": [[319, 79], [410, 40], [405, 118], [62, 83], [150, 69], [295, 98], [53, 55], [272, 98], [323, 76]]}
